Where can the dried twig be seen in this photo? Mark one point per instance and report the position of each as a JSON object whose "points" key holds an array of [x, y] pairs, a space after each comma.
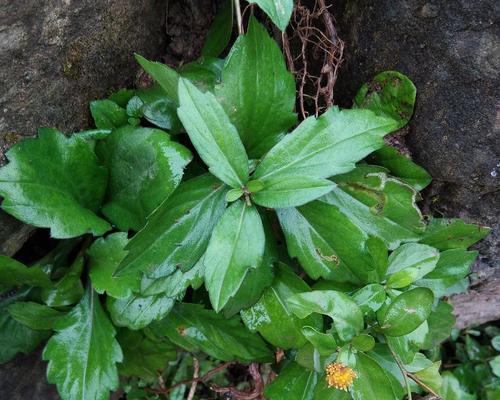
{"points": [[255, 394], [192, 390]]}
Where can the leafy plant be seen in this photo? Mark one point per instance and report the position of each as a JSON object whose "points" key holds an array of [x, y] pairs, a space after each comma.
{"points": [[255, 238]]}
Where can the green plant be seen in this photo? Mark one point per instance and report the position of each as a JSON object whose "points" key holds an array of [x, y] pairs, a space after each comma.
{"points": [[353, 300]]}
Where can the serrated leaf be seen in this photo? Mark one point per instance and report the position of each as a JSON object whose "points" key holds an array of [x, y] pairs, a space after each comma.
{"points": [[107, 114], [177, 233], [145, 167], [105, 255], [279, 11], [68, 290], [390, 94], [407, 312], [14, 273], [291, 191], [212, 134], [370, 297], [166, 77], [54, 182], [293, 383], [271, 316], [257, 91], [219, 34], [446, 234], [196, 329], [326, 146], [347, 316], [379, 204], [33, 315], [237, 244], [82, 355]]}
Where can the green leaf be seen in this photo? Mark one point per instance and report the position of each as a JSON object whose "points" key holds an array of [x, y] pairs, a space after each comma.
{"points": [[446, 234], [407, 312], [451, 389], [495, 365], [83, 354], [233, 195], [324, 343], [14, 273], [379, 204], [409, 263], [213, 135], [407, 346], [159, 109], [187, 217], [293, 383], [93, 134], [142, 356], [390, 94], [237, 244], [107, 114], [196, 329], [272, 317], [324, 392], [279, 11], [441, 321], [401, 166], [257, 91], [219, 34], [204, 73], [33, 315], [136, 312], [54, 182], [105, 255], [495, 342], [327, 244], [291, 191], [163, 74], [67, 290], [326, 146], [370, 297], [145, 167], [363, 342], [122, 96], [430, 376], [347, 316]]}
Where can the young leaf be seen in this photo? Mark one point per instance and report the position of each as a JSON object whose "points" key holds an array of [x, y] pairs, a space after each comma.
{"points": [[407, 312], [257, 91], [33, 315], [272, 317], [105, 255], [293, 383], [446, 234], [219, 34], [159, 109], [83, 354], [145, 167], [370, 297], [324, 343], [54, 182], [187, 217], [347, 316], [196, 329], [237, 244], [363, 342], [107, 114], [279, 11], [326, 146], [213, 135], [167, 77], [14, 273], [68, 290]]}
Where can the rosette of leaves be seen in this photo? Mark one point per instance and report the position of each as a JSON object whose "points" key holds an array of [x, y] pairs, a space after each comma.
{"points": [[191, 258]]}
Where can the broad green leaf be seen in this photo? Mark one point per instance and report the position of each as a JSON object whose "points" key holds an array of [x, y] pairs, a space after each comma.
{"points": [[363, 342], [219, 34], [409, 263], [93, 134], [196, 329], [291, 191], [370, 297], [257, 91], [446, 234], [237, 244], [347, 316], [213, 135], [495, 342], [54, 182], [105, 255], [441, 322], [326, 146], [69, 289], [451, 389], [390, 94], [324, 392], [401, 166], [272, 317], [495, 365], [177, 233], [167, 77], [136, 311], [327, 244], [204, 73], [430, 376], [293, 383], [107, 114], [324, 343], [452, 267], [142, 356], [407, 346], [82, 355], [33, 315], [379, 204], [407, 312], [145, 167], [279, 11], [14, 273]]}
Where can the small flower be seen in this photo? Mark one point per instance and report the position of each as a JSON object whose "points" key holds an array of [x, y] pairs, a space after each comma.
{"points": [[339, 376]]}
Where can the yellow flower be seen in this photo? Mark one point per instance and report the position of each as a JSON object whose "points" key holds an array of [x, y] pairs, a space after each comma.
{"points": [[339, 376]]}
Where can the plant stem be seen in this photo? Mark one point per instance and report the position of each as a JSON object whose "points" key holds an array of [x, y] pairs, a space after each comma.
{"points": [[403, 371], [238, 16]]}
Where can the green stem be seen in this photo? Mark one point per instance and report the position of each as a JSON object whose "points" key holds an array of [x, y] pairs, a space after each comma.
{"points": [[238, 16]]}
